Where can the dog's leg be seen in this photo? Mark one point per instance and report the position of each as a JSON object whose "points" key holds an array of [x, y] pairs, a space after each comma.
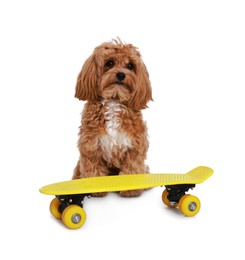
{"points": [[133, 167], [89, 167]]}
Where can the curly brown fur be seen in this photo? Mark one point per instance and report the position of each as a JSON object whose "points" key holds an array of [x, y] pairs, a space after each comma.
{"points": [[113, 136]]}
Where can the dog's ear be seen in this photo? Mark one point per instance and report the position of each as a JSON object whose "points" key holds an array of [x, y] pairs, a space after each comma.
{"points": [[86, 87], [143, 91]]}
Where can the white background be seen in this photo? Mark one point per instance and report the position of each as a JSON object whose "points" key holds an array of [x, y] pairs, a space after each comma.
{"points": [[195, 54]]}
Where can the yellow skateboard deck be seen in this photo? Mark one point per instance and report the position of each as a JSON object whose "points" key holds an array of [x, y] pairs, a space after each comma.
{"points": [[126, 182]]}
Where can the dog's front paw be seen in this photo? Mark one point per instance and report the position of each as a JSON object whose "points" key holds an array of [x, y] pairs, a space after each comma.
{"points": [[99, 194], [130, 193]]}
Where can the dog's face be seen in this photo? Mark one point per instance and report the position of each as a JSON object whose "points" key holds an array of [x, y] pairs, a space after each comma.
{"points": [[115, 71]]}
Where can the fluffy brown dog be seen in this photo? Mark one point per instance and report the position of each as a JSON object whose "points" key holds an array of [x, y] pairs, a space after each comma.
{"points": [[113, 137]]}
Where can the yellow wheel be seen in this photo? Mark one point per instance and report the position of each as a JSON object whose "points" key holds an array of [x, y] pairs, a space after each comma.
{"points": [[73, 216], [182, 198], [189, 205], [166, 201], [54, 208]]}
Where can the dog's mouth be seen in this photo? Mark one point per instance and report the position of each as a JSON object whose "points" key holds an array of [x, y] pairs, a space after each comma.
{"points": [[118, 90], [119, 83], [122, 84]]}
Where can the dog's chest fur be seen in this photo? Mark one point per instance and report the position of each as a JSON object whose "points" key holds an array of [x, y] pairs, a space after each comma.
{"points": [[115, 141]]}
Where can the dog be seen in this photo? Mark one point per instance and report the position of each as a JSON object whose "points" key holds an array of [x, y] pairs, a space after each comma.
{"points": [[113, 137]]}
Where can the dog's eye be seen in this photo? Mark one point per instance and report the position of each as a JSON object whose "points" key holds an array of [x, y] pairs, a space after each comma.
{"points": [[109, 64], [130, 66]]}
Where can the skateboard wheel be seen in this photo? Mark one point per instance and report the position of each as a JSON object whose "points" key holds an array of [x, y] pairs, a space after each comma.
{"points": [[54, 208], [189, 205], [166, 201], [73, 216]]}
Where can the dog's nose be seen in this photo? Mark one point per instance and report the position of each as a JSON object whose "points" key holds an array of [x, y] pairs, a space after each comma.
{"points": [[120, 76]]}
